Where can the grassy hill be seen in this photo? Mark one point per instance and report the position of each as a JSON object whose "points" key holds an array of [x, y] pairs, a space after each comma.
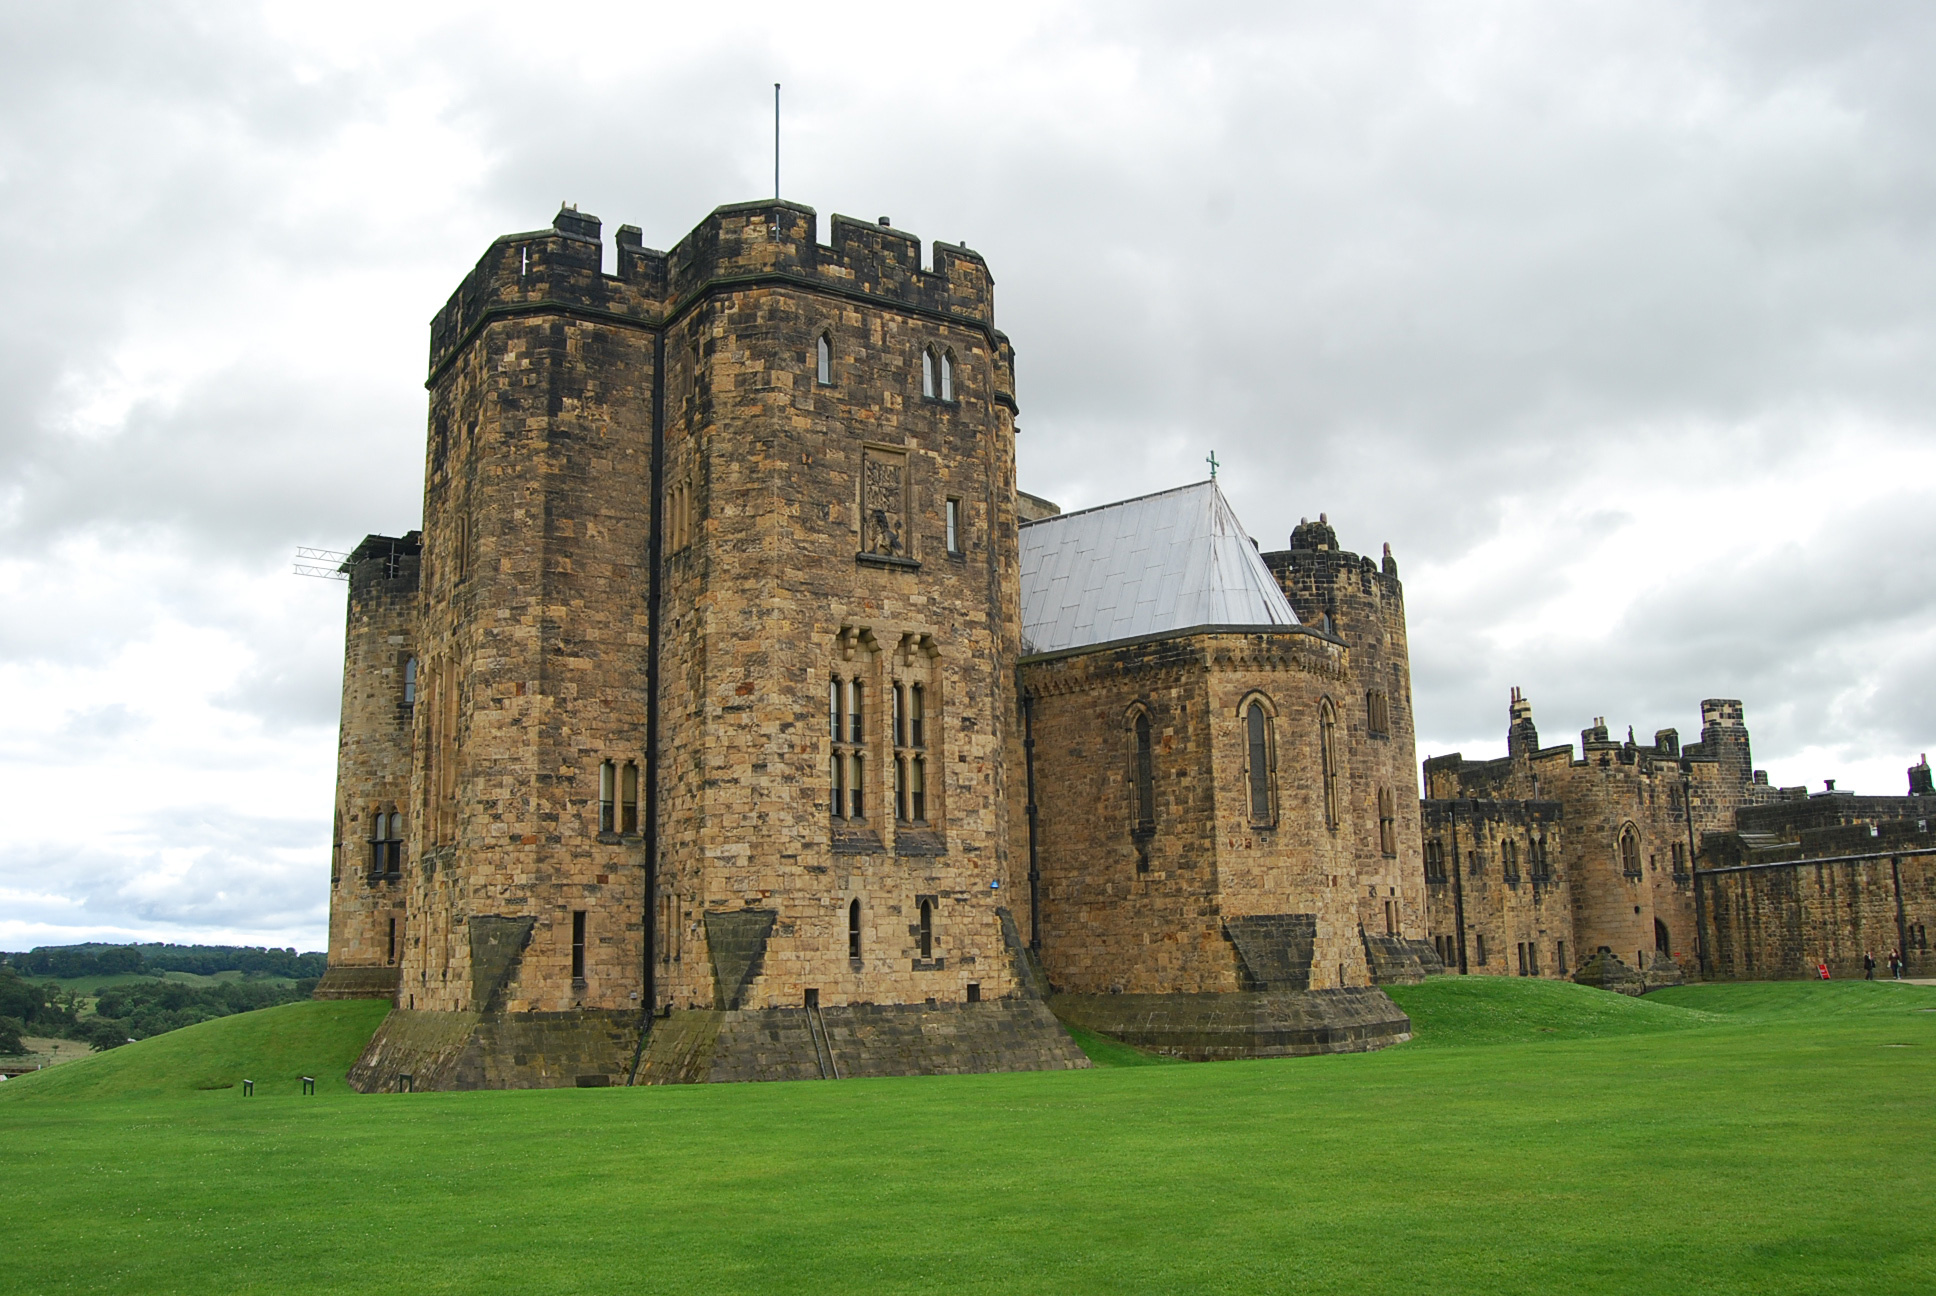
{"points": [[1731, 1139], [275, 1047]]}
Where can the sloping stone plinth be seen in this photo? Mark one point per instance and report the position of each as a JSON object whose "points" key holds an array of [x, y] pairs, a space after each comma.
{"points": [[357, 983], [701, 1045], [470, 1050], [1246, 1024]]}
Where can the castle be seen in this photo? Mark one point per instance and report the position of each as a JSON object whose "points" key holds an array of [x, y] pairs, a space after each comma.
{"points": [[1636, 865], [734, 716]]}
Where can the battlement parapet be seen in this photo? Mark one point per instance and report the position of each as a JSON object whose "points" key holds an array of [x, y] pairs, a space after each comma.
{"points": [[559, 271], [552, 271], [746, 241]]}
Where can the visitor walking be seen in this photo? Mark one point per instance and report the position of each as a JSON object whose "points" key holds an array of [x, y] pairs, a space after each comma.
{"points": [[1895, 965], [1868, 966]]}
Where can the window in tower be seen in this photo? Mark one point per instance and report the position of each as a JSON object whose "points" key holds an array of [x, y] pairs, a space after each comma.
{"points": [[1142, 774], [823, 349], [853, 929], [607, 797], [910, 734], [578, 945], [1377, 714], [1509, 860], [1387, 823], [947, 376], [954, 526], [1630, 851], [410, 682], [1328, 760], [628, 798], [846, 722], [1259, 764], [927, 373], [1435, 861], [390, 953], [925, 931]]}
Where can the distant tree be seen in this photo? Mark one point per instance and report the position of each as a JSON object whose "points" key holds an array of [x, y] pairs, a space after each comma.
{"points": [[10, 1042]]}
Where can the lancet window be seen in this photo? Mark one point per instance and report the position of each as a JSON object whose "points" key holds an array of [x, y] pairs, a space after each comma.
{"points": [[1328, 760], [1630, 851], [1142, 774], [1260, 764]]}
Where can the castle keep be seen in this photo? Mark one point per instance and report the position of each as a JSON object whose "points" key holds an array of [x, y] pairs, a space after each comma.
{"points": [[733, 716]]}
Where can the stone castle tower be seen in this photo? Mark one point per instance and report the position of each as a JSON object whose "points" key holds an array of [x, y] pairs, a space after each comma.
{"points": [[746, 756], [687, 741]]}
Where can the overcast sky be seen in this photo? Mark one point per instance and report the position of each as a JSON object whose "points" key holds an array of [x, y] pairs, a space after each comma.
{"points": [[1617, 320]]}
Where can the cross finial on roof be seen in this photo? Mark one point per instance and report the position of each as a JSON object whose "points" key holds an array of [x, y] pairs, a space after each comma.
{"points": [[1212, 461]]}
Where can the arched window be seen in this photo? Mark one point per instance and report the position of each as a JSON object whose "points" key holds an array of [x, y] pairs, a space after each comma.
{"points": [[853, 929], [1328, 760], [1143, 775], [1509, 859], [607, 797], [410, 682], [947, 376], [628, 798], [1377, 714], [1630, 851], [823, 350], [926, 929], [1387, 823], [927, 374], [1258, 763]]}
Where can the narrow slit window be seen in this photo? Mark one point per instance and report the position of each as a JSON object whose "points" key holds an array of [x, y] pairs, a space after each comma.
{"points": [[901, 789], [947, 376], [1258, 758], [954, 526], [391, 955], [1328, 760], [628, 798], [856, 782], [824, 361], [607, 796], [926, 929], [1387, 823], [927, 374], [918, 789], [578, 945], [833, 709], [853, 929], [1144, 774], [855, 732], [410, 682], [916, 720]]}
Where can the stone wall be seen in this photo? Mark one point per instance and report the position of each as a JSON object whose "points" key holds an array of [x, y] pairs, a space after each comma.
{"points": [[1779, 920], [1491, 875]]}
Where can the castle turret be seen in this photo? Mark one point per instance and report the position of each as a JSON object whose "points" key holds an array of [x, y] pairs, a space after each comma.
{"points": [[367, 913], [1522, 736], [1919, 778]]}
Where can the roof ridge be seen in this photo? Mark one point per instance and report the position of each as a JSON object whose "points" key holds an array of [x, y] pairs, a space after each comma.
{"points": [[1133, 499]]}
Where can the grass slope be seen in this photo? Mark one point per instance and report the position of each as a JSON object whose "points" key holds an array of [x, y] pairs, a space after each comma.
{"points": [[1459, 1012], [1778, 1149], [275, 1047]]}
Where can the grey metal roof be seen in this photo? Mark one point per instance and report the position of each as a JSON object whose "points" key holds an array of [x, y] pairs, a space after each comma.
{"points": [[1149, 565]]}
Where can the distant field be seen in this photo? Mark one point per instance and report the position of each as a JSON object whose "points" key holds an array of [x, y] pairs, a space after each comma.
{"points": [[92, 985], [1535, 1138]]}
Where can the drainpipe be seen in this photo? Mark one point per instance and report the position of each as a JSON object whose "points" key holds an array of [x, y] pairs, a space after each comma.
{"points": [[655, 555], [1458, 887], [1035, 872]]}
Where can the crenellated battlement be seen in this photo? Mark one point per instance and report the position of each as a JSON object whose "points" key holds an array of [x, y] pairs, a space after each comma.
{"points": [[560, 270]]}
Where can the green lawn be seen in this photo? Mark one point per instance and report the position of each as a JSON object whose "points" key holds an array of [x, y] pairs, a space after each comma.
{"points": [[1535, 1138]]}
